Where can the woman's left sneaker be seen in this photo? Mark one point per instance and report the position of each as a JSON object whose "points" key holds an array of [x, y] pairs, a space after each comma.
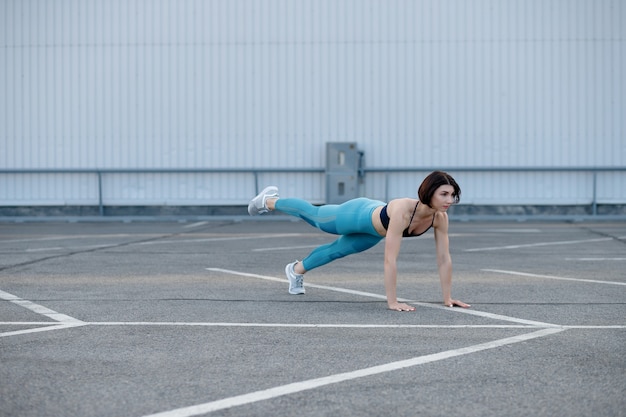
{"points": [[257, 204]]}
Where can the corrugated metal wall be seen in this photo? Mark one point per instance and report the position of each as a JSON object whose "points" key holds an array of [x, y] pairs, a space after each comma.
{"points": [[266, 83]]}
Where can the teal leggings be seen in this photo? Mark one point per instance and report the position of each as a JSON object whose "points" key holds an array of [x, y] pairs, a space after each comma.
{"points": [[352, 220]]}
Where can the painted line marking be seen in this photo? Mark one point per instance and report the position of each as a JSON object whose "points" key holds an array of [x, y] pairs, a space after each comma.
{"points": [[531, 245], [383, 297], [42, 329], [310, 384], [55, 248], [606, 327], [284, 248], [513, 230], [39, 309], [219, 239], [320, 325], [595, 259], [55, 325], [68, 237], [45, 249], [526, 274], [192, 225]]}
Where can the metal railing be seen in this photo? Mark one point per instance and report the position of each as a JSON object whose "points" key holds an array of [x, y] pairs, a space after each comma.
{"points": [[593, 170], [388, 171], [99, 172]]}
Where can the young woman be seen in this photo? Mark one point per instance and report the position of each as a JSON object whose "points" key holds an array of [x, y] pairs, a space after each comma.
{"points": [[362, 223]]}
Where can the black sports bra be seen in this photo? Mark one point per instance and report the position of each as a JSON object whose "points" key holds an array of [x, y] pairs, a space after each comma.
{"points": [[384, 218]]}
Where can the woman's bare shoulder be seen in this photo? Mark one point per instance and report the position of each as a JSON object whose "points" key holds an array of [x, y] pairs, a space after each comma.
{"points": [[441, 221], [402, 203]]}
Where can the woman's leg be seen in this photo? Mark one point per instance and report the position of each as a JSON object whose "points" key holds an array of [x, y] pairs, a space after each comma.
{"points": [[321, 217], [352, 219], [344, 246]]}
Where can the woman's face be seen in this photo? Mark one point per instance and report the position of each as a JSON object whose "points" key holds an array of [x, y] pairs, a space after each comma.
{"points": [[443, 198]]}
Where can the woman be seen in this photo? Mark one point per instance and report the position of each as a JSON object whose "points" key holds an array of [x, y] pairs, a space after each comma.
{"points": [[362, 223]]}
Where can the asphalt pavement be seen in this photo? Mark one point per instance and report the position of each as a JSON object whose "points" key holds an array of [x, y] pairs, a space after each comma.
{"points": [[183, 318]]}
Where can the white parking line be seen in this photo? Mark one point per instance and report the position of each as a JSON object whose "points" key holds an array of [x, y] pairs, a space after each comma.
{"points": [[192, 225], [70, 248], [607, 327], [530, 245], [283, 248], [56, 326], [218, 239], [67, 237], [51, 248], [595, 259], [41, 329], [382, 297], [526, 274], [61, 321], [346, 376], [39, 309], [316, 325], [513, 230]]}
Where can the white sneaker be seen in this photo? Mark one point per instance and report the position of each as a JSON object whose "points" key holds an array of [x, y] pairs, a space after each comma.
{"points": [[257, 204], [296, 281]]}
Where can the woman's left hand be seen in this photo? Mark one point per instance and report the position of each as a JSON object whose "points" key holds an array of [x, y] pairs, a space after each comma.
{"points": [[453, 303]]}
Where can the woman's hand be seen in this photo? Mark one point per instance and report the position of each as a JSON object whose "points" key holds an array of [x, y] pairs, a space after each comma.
{"points": [[401, 307], [453, 303]]}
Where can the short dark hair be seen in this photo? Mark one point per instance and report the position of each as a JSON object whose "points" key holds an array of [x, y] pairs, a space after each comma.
{"points": [[435, 180]]}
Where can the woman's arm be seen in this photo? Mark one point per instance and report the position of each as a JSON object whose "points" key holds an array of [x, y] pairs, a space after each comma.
{"points": [[393, 241], [444, 260]]}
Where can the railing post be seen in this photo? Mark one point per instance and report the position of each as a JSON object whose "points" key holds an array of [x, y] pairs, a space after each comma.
{"points": [[594, 203], [100, 205]]}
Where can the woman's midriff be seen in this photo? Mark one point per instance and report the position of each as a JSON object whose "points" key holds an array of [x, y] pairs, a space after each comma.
{"points": [[378, 225]]}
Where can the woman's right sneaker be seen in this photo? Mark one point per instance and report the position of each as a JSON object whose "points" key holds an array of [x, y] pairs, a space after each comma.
{"points": [[258, 204], [296, 281]]}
